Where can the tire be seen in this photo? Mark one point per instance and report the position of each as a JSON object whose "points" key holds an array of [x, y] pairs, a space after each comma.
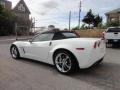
{"points": [[65, 62], [14, 52]]}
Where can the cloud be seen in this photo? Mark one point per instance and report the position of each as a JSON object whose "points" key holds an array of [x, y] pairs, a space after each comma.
{"points": [[50, 4], [56, 11]]}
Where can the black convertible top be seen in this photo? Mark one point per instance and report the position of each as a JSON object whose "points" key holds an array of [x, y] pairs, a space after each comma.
{"points": [[58, 30]]}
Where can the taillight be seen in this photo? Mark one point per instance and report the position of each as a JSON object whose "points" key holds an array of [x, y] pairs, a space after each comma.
{"points": [[95, 45]]}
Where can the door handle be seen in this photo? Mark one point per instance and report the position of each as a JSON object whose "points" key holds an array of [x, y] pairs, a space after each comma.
{"points": [[50, 43]]}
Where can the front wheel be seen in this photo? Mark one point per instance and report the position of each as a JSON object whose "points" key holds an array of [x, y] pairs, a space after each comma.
{"points": [[64, 62], [14, 52]]}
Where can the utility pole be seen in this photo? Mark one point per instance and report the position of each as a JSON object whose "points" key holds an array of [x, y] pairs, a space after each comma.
{"points": [[79, 14], [70, 20]]}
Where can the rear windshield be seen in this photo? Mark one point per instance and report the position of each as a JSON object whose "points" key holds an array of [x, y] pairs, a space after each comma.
{"points": [[70, 35], [113, 30]]}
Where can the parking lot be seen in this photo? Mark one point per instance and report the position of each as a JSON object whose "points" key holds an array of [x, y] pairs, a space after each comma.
{"points": [[26, 74]]}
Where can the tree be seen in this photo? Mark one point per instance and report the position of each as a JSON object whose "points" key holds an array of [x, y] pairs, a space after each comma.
{"points": [[113, 23], [97, 20], [84, 27], [75, 28], [6, 21], [89, 18]]}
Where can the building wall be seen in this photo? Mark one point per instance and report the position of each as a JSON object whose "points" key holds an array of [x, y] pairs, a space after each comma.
{"points": [[6, 4], [23, 21], [113, 16], [22, 15]]}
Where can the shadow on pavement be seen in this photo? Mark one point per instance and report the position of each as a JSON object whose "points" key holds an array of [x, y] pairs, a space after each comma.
{"points": [[26, 60], [105, 75]]}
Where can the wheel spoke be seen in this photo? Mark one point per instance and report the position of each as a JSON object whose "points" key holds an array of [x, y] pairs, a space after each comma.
{"points": [[59, 62], [66, 58], [63, 68], [67, 66], [60, 58]]}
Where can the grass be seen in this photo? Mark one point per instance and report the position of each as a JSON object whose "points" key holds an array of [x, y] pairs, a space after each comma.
{"points": [[91, 32]]}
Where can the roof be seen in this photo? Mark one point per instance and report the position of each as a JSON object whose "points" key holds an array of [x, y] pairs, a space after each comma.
{"points": [[114, 11], [24, 4]]}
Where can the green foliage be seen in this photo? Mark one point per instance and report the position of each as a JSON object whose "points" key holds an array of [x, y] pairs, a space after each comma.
{"points": [[113, 23], [6, 22], [92, 19], [97, 20], [75, 28], [89, 18], [84, 27]]}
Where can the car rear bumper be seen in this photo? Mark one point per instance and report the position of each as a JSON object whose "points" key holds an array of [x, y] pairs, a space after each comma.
{"points": [[113, 41], [91, 57]]}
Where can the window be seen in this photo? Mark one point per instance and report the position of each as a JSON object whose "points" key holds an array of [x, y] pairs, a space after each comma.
{"points": [[70, 35], [58, 36], [43, 37], [64, 35], [113, 30], [21, 7]]}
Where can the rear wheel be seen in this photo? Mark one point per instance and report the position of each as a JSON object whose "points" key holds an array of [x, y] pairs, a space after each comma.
{"points": [[64, 62], [14, 52]]}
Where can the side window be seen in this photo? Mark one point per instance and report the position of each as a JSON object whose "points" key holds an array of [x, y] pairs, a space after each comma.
{"points": [[58, 36], [43, 37]]}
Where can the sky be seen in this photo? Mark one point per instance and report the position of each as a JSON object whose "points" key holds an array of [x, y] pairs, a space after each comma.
{"points": [[56, 12]]}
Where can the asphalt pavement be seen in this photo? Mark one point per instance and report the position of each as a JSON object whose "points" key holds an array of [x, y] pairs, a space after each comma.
{"points": [[25, 74]]}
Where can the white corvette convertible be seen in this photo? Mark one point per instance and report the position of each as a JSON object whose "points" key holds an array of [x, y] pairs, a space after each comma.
{"points": [[63, 49]]}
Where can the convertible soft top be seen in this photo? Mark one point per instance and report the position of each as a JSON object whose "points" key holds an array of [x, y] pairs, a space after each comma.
{"points": [[61, 31], [57, 30]]}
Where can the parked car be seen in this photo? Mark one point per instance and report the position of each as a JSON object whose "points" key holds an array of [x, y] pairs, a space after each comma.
{"points": [[63, 49], [112, 36]]}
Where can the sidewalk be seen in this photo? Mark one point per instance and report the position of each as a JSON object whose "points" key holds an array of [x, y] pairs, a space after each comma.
{"points": [[9, 38]]}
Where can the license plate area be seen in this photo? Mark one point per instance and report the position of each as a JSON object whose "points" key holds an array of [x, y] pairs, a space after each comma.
{"points": [[115, 40]]}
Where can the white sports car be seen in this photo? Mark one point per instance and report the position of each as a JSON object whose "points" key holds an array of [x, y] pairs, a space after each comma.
{"points": [[64, 49]]}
